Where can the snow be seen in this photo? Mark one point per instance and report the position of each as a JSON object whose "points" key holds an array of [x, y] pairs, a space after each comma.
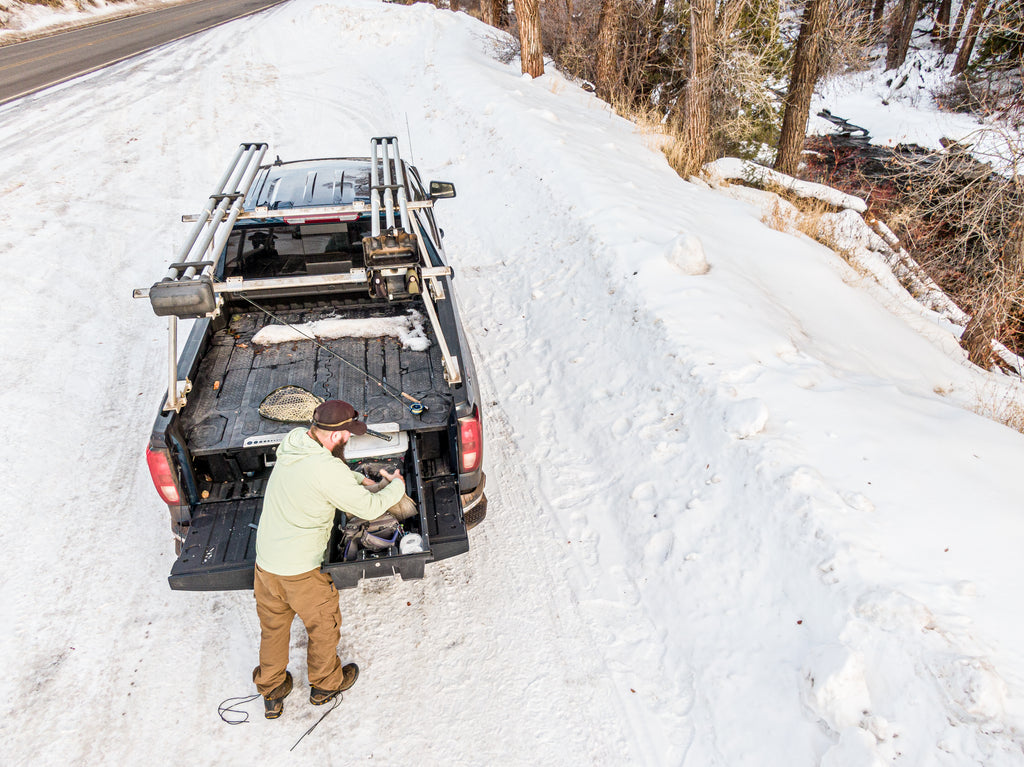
{"points": [[733, 168], [407, 329], [899, 107], [742, 509]]}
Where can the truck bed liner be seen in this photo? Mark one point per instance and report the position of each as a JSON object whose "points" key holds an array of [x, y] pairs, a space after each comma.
{"points": [[235, 376]]}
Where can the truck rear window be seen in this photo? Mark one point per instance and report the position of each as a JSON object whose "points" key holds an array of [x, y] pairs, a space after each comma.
{"points": [[282, 250]]}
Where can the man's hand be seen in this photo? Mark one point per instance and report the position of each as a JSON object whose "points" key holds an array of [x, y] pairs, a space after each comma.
{"points": [[396, 477]]}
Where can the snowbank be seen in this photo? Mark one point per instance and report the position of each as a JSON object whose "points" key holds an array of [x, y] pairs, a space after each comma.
{"points": [[733, 168]]}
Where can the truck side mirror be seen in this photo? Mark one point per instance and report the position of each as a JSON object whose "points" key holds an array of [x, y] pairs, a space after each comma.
{"points": [[440, 190]]}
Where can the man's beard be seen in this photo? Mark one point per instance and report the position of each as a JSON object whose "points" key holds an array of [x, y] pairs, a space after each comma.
{"points": [[339, 451]]}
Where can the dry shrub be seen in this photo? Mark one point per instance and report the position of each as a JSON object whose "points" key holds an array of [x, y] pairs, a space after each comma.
{"points": [[817, 220], [811, 221], [847, 40], [774, 218], [997, 95], [964, 223], [810, 216], [648, 122], [1003, 404], [569, 31], [52, 3]]}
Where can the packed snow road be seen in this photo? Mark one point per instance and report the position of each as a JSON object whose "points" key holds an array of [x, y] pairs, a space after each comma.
{"points": [[724, 520]]}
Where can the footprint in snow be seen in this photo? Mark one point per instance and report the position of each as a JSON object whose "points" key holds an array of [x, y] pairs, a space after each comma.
{"points": [[746, 418]]}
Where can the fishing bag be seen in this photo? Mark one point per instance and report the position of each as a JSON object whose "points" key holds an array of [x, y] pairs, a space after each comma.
{"points": [[375, 535]]}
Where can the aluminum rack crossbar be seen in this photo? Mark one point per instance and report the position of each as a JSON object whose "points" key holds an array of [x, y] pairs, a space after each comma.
{"points": [[222, 209], [304, 214]]}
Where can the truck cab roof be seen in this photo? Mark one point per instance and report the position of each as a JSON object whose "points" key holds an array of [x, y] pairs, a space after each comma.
{"points": [[310, 183]]}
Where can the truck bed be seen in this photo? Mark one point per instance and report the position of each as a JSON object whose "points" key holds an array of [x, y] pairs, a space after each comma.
{"points": [[235, 376]]}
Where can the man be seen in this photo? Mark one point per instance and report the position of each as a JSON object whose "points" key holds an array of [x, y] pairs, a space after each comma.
{"points": [[309, 481]]}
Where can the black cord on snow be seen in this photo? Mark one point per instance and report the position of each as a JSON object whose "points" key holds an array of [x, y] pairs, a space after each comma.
{"points": [[336, 702], [237, 716]]}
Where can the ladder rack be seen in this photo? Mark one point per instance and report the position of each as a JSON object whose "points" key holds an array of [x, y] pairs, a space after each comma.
{"points": [[397, 256], [398, 259], [382, 193]]}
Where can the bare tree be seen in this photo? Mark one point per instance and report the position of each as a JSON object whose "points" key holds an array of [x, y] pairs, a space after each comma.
{"points": [[963, 57], [902, 30], [801, 85], [954, 34], [494, 12], [530, 44], [697, 104], [608, 48], [942, 19], [878, 12]]}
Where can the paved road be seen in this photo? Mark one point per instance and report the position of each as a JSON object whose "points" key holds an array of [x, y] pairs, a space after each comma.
{"points": [[31, 66]]}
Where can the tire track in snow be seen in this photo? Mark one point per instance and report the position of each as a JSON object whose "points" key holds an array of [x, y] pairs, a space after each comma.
{"points": [[496, 298]]}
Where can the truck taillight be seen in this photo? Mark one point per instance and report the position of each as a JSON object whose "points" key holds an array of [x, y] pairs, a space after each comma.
{"points": [[471, 443], [163, 476]]}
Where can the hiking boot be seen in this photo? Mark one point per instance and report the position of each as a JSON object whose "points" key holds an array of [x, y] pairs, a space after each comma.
{"points": [[350, 672], [274, 702]]}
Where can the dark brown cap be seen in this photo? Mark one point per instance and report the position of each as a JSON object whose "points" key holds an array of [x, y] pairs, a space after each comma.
{"points": [[335, 415]]}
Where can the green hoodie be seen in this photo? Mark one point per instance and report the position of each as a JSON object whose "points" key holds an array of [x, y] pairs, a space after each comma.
{"points": [[305, 487]]}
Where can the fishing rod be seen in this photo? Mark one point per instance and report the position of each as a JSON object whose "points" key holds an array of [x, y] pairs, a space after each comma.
{"points": [[415, 406]]}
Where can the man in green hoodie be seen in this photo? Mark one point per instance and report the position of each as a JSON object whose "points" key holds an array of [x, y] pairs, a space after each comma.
{"points": [[309, 481]]}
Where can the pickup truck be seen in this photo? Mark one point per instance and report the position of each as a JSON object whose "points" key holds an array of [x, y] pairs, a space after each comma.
{"points": [[329, 276]]}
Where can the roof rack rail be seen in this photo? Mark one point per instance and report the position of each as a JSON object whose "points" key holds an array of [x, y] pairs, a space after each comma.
{"points": [[186, 290]]}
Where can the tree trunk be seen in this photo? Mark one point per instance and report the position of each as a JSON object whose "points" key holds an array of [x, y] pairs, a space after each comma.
{"points": [[531, 49], [697, 106], [878, 13], [902, 30], [492, 12], [984, 326], [954, 35], [608, 48], [963, 58], [801, 86], [941, 30]]}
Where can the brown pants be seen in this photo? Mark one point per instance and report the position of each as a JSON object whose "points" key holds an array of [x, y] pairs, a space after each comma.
{"points": [[313, 597]]}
